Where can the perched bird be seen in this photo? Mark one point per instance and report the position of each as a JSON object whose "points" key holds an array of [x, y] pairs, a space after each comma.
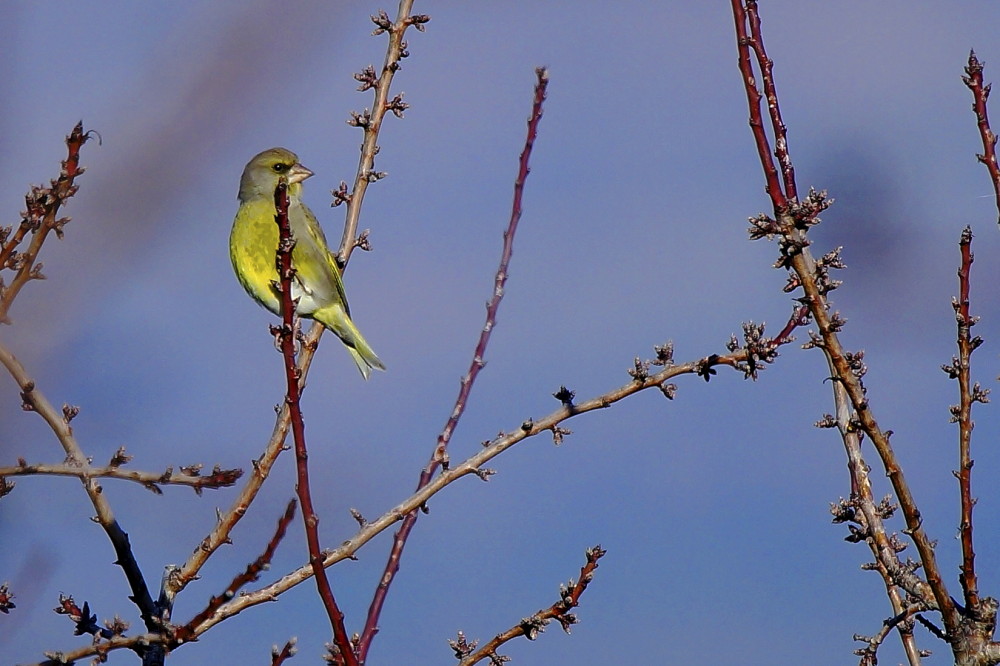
{"points": [[253, 244]]}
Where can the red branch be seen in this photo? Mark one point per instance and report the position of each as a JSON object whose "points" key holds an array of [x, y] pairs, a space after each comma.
{"points": [[981, 93], [249, 575], [286, 335], [766, 66], [968, 393], [440, 455], [744, 42], [40, 216]]}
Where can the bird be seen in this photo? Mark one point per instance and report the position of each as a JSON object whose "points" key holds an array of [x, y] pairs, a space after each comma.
{"points": [[253, 244]]}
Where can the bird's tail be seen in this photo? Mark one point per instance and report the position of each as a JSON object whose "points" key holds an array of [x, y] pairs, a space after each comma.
{"points": [[335, 319]]}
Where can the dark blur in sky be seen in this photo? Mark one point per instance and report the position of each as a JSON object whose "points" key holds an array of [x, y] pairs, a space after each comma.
{"points": [[713, 507]]}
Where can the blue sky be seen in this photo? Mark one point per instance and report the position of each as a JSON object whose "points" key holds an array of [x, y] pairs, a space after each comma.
{"points": [[713, 507]]}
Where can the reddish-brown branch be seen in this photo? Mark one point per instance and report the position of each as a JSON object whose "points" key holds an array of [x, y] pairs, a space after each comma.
{"points": [[532, 626], [980, 93], [280, 656], [966, 345], [440, 455], [766, 66], [286, 336], [249, 575], [743, 44], [39, 218], [800, 316]]}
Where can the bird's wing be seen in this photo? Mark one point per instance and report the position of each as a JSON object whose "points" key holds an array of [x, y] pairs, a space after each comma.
{"points": [[315, 266]]}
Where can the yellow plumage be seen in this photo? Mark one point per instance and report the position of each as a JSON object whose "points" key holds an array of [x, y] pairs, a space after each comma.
{"points": [[253, 244]]}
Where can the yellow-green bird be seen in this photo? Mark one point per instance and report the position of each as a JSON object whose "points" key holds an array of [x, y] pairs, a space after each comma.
{"points": [[253, 244]]}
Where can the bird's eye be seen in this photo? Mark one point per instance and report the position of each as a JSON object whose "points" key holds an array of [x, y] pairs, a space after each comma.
{"points": [[280, 168]]}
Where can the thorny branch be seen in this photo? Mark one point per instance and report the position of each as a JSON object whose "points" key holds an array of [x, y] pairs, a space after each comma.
{"points": [[439, 456]]}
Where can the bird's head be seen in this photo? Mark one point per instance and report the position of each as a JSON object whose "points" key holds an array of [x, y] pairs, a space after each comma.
{"points": [[262, 173]]}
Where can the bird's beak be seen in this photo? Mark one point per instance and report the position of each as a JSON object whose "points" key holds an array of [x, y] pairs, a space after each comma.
{"points": [[298, 173]]}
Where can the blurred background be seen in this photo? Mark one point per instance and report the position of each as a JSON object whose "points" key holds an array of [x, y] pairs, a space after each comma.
{"points": [[713, 508]]}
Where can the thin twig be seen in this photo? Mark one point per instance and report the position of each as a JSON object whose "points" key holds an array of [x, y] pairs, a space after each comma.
{"points": [[371, 122], [901, 620], [766, 66], [286, 338], [530, 627], [287, 652], [187, 476], [39, 218], [743, 43], [440, 454], [980, 93], [249, 575], [968, 393]]}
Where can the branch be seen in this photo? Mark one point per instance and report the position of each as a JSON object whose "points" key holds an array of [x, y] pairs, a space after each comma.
{"points": [[220, 535], [371, 121], [530, 627], [34, 400], [285, 653], [743, 44], [962, 414], [39, 218], [135, 643], [188, 476], [440, 455], [285, 334], [980, 93], [766, 66], [866, 512], [792, 221], [253, 482], [903, 621], [249, 575], [474, 465], [704, 368]]}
